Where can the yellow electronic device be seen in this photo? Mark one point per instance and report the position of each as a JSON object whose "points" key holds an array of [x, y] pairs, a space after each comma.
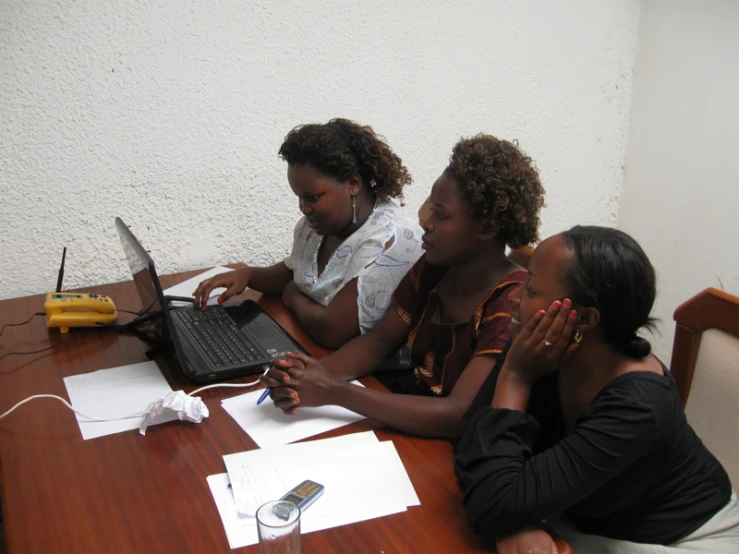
{"points": [[77, 309]]}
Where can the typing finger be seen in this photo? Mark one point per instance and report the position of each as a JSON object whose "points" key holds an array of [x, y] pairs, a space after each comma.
{"points": [[198, 294], [205, 294], [215, 283], [230, 291]]}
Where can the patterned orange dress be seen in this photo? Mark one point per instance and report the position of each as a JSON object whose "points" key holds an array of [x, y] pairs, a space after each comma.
{"points": [[439, 352]]}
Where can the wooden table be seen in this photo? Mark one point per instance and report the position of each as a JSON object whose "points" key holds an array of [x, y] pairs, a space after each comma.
{"points": [[127, 493]]}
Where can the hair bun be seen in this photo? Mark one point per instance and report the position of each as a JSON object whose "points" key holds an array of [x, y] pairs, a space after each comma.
{"points": [[637, 347]]}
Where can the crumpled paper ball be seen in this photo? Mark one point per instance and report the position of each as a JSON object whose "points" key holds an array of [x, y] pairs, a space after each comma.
{"points": [[171, 406]]}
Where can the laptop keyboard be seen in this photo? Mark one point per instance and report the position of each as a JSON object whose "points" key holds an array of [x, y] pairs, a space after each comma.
{"points": [[219, 337]]}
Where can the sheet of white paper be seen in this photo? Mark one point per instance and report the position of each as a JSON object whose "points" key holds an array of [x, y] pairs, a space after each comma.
{"points": [[253, 486], [116, 392], [348, 476], [269, 426], [186, 288], [242, 530], [263, 475], [364, 479], [401, 482]]}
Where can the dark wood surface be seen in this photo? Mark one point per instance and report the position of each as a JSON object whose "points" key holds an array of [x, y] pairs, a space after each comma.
{"points": [[127, 493], [709, 309]]}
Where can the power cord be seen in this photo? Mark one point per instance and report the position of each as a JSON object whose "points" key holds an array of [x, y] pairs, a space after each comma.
{"points": [[71, 339], [139, 414], [19, 324], [140, 313]]}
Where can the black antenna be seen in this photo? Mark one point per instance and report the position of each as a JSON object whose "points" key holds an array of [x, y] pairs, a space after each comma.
{"points": [[60, 279]]}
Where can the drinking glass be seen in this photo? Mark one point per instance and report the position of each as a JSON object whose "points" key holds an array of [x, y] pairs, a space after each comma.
{"points": [[278, 525]]}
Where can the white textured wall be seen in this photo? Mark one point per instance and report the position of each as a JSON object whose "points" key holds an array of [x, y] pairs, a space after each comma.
{"points": [[682, 176], [170, 114]]}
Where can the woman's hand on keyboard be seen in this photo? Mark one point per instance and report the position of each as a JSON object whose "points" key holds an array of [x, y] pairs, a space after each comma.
{"points": [[234, 281]]}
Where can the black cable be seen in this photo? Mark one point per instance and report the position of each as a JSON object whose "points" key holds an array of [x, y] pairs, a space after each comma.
{"points": [[145, 311], [140, 313], [19, 324], [53, 345]]}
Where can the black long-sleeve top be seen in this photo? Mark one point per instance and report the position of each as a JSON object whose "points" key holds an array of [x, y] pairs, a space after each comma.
{"points": [[631, 469]]}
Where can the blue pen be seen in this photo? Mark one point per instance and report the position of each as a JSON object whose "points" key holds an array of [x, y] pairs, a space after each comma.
{"points": [[265, 394]]}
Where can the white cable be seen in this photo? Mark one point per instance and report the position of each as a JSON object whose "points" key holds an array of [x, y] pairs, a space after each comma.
{"points": [[228, 385], [68, 405]]}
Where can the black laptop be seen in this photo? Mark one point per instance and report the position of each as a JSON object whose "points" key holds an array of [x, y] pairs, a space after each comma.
{"points": [[222, 342]]}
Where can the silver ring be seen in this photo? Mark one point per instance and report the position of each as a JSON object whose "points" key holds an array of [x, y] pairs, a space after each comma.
{"points": [[547, 343]]}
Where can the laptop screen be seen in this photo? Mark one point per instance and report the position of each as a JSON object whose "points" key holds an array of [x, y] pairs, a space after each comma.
{"points": [[147, 282], [139, 262]]}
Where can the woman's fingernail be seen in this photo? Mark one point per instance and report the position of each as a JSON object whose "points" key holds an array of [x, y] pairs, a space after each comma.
{"points": [[573, 314], [556, 304], [541, 313], [567, 303]]}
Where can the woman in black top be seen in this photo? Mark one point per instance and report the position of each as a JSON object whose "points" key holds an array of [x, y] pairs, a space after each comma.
{"points": [[577, 417]]}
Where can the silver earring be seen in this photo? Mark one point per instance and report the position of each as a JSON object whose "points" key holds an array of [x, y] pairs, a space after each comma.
{"points": [[354, 209]]}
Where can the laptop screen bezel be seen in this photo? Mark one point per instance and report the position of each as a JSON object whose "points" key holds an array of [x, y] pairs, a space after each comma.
{"points": [[169, 332]]}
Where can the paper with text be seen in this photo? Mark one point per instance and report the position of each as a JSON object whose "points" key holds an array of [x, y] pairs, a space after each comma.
{"points": [[116, 392], [363, 478], [258, 476], [255, 486]]}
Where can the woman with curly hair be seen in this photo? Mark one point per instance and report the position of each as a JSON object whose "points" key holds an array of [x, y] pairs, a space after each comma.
{"points": [[353, 245], [451, 310]]}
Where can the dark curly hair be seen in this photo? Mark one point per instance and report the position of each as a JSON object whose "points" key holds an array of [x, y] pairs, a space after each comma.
{"points": [[499, 181], [342, 149]]}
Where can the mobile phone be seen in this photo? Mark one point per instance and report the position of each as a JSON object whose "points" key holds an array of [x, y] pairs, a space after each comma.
{"points": [[305, 494]]}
